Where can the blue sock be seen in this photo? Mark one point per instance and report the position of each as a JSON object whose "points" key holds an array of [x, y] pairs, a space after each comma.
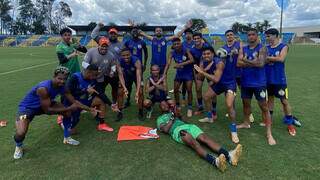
{"points": [[189, 106], [288, 119], [209, 114], [214, 108], [67, 125], [200, 103], [211, 159], [233, 127]]}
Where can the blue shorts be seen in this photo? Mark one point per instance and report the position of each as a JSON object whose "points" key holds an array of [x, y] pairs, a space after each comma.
{"points": [[224, 88], [183, 77], [259, 92], [28, 114], [277, 90]]}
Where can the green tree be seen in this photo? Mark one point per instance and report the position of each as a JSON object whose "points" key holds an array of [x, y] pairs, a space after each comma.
{"points": [[5, 18], [26, 16], [266, 25], [198, 24]]}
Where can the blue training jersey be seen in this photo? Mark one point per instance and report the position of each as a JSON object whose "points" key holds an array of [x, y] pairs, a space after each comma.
{"points": [[253, 76], [180, 57], [197, 53], [212, 67], [32, 100], [129, 69], [275, 71], [187, 45], [136, 47], [230, 69], [78, 86], [159, 51]]}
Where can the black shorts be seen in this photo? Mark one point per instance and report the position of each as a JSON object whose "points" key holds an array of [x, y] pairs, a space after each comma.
{"points": [[279, 91]]}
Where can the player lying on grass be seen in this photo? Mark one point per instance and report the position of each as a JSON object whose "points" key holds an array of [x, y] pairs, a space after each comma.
{"points": [[192, 136], [157, 90], [253, 81], [80, 87], [184, 71], [276, 78], [40, 100]]}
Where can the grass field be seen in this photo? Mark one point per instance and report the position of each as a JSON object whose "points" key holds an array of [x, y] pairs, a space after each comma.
{"points": [[100, 156]]}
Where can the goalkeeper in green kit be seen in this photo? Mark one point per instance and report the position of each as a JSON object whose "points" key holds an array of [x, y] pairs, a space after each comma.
{"points": [[68, 51], [192, 136]]}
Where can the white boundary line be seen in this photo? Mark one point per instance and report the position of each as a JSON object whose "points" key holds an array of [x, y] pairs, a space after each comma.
{"points": [[26, 68]]}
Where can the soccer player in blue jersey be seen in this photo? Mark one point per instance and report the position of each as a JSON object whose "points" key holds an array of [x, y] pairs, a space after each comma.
{"points": [[41, 100], [157, 90], [276, 77], [131, 68], [159, 46], [196, 52], [227, 84], [184, 71], [210, 68], [81, 87], [137, 48], [187, 43], [253, 81]]}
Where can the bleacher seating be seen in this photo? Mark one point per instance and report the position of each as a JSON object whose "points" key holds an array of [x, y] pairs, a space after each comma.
{"points": [[28, 41], [40, 41]]}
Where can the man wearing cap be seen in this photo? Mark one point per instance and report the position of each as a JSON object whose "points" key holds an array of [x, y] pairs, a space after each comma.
{"points": [[109, 69]]}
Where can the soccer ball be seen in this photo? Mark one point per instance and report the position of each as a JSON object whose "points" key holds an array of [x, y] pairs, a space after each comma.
{"points": [[222, 53]]}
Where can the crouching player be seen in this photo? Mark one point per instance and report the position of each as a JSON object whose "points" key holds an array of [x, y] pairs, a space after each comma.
{"points": [[157, 89], [192, 136], [40, 100]]}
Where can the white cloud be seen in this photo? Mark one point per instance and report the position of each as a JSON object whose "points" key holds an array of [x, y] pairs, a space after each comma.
{"points": [[219, 15]]}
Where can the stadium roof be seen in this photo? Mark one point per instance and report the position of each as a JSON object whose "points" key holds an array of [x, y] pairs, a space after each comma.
{"points": [[121, 28]]}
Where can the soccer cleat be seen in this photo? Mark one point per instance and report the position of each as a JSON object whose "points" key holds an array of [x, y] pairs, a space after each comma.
{"points": [[291, 130], [235, 155], [262, 124], [70, 141], [18, 153], [206, 120], [296, 122], [234, 137], [227, 115], [251, 118], [189, 113], [149, 113], [171, 91], [221, 163], [104, 127], [119, 116]]}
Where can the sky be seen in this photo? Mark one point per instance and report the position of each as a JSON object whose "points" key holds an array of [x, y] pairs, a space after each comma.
{"points": [[219, 15]]}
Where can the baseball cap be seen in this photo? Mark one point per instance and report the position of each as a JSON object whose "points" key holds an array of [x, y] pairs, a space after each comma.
{"points": [[113, 30], [104, 41]]}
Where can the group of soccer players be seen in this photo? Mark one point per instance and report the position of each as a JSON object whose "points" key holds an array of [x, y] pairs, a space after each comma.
{"points": [[256, 69]]}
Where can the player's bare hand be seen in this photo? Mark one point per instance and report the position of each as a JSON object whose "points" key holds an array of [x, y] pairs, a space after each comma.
{"points": [[137, 97], [91, 90], [189, 24], [115, 108], [198, 69]]}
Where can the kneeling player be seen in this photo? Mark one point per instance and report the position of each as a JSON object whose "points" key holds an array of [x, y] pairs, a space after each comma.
{"points": [[184, 71], [38, 101], [80, 87], [157, 89], [194, 137], [131, 67]]}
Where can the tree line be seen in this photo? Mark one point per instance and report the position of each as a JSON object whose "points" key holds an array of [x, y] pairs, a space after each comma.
{"points": [[33, 17]]}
